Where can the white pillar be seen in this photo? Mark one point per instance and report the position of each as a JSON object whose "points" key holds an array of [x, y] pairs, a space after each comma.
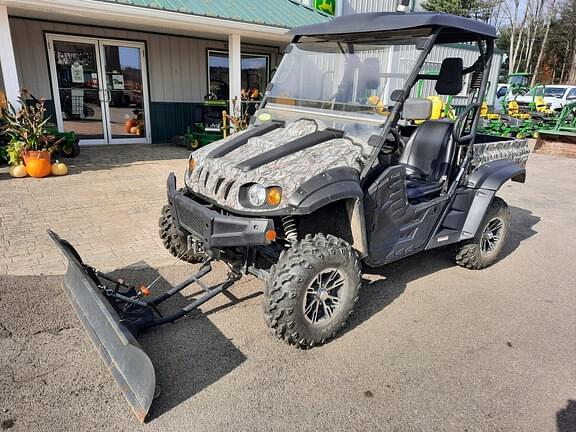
{"points": [[234, 72], [7, 60]]}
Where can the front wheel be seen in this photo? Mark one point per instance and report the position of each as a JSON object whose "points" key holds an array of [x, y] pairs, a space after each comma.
{"points": [[483, 250], [311, 291], [174, 240]]}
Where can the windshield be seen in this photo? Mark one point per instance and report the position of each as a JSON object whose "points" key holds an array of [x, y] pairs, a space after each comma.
{"points": [[341, 77], [554, 91], [518, 80]]}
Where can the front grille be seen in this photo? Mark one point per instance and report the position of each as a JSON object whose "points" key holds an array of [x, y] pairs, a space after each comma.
{"points": [[191, 219]]}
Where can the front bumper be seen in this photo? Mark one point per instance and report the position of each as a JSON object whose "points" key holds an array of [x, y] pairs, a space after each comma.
{"points": [[212, 228]]}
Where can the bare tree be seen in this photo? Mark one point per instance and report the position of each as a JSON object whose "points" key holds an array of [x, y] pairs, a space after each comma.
{"points": [[550, 17]]}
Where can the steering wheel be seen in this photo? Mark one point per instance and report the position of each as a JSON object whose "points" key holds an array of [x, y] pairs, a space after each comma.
{"points": [[460, 124], [398, 142]]}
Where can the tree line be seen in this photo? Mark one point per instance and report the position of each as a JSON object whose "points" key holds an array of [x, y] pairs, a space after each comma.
{"points": [[537, 36]]}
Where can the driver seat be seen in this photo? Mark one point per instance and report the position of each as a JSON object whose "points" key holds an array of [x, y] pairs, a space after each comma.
{"points": [[428, 157]]}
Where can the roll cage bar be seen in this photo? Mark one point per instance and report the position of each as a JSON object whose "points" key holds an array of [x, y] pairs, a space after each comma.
{"points": [[468, 118]]}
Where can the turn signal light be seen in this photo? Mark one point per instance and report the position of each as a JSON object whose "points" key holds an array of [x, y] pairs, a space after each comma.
{"points": [[270, 235], [191, 164], [273, 196]]}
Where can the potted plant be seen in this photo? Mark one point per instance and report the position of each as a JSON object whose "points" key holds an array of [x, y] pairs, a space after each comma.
{"points": [[27, 136]]}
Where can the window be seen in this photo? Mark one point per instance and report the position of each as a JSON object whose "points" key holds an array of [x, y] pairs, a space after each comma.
{"points": [[255, 72]]}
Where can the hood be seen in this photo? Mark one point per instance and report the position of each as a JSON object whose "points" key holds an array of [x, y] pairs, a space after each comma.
{"points": [[286, 156]]}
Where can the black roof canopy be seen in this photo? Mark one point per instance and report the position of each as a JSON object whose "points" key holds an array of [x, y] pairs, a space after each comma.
{"points": [[454, 28]]}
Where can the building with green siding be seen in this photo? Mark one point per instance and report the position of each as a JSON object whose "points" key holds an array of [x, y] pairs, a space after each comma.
{"points": [[141, 71]]}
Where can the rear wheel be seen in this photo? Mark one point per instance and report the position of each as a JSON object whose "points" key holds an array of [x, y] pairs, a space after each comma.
{"points": [[483, 250], [174, 240], [311, 291]]}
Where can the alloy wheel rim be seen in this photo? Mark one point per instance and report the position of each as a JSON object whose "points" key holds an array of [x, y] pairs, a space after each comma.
{"points": [[323, 296], [491, 236]]}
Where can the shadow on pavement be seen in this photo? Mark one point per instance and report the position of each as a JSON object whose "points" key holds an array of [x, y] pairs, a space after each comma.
{"points": [[188, 355], [566, 418], [523, 222]]}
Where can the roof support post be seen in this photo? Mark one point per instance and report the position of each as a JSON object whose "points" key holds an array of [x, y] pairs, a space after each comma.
{"points": [[235, 74], [7, 60]]}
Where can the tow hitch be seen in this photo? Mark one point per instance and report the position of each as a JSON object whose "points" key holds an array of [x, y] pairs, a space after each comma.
{"points": [[114, 313]]}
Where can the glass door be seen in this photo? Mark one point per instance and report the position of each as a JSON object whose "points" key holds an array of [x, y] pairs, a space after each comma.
{"points": [[123, 64], [100, 89], [77, 88]]}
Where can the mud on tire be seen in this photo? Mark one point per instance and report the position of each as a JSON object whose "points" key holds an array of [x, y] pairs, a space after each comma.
{"points": [[474, 253], [174, 240], [289, 300]]}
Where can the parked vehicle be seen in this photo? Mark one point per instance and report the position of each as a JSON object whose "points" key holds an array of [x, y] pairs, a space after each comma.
{"points": [[555, 96], [337, 171]]}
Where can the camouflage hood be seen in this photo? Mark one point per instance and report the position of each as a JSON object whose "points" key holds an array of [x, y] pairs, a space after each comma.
{"points": [[220, 179]]}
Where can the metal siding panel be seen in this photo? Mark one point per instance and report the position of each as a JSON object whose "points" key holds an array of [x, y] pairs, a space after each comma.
{"points": [[360, 6]]}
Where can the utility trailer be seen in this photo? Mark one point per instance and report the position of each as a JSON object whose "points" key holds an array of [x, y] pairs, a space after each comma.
{"points": [[340, 169]]}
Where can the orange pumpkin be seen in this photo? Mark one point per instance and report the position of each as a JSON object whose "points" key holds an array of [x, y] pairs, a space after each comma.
{"points": [[38, 167], [129, 124]]}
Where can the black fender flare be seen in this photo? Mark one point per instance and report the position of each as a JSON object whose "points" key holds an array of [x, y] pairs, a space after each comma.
{"points": [[493, 175], [487, 180], [330, 186]]}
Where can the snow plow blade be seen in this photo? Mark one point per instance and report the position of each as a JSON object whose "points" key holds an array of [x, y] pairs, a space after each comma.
{"points": [[129, 364]]}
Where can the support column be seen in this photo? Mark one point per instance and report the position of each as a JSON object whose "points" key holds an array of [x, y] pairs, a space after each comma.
{"points": [[234, 73], [7, 60]]}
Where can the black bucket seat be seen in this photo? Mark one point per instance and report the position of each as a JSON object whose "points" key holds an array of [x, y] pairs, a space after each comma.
{"points": [[428, 158]]}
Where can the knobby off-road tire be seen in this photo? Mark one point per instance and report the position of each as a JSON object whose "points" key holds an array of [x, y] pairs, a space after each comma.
{"points": [[174, 240], [483, 250], [319, 270]]}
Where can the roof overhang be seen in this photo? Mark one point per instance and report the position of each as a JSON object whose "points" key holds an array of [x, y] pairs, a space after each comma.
{"points": [[142, 19]]}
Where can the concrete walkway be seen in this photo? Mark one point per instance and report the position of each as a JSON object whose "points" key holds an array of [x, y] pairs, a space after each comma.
{"points": [[108, 207]]}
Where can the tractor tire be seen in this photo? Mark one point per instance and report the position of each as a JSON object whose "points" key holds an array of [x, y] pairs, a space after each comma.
{"points": [[72, 151], [174, 240], [192, 144], [311, 291], [483, 250]]}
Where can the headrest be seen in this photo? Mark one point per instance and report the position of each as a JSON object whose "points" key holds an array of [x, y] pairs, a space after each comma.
{"points": [[450, 78], [417, 109]]}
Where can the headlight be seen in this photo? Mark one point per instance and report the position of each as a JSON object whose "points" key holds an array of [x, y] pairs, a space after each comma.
{"points": [[257, 195]]}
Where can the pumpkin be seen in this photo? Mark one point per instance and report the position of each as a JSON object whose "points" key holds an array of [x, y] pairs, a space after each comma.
{"points": [[18, 171], [129, 124], [59, 169], [134, 130], [38, 167]]}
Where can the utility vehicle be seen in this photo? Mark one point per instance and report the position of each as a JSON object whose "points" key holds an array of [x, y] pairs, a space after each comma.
{"points": [[340, 169]]}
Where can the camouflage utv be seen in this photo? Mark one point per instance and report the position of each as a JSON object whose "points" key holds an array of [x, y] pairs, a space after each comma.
{"points": [[342, 167]]}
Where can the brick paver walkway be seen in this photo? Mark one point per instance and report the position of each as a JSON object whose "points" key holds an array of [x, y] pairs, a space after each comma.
{"points": [[108, 207]]}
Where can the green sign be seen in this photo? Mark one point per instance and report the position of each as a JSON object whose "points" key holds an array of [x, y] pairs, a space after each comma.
{"points": [[326, 6]]}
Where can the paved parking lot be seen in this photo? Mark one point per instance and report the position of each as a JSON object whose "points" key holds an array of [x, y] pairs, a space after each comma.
{"points": [[431, 346]]}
